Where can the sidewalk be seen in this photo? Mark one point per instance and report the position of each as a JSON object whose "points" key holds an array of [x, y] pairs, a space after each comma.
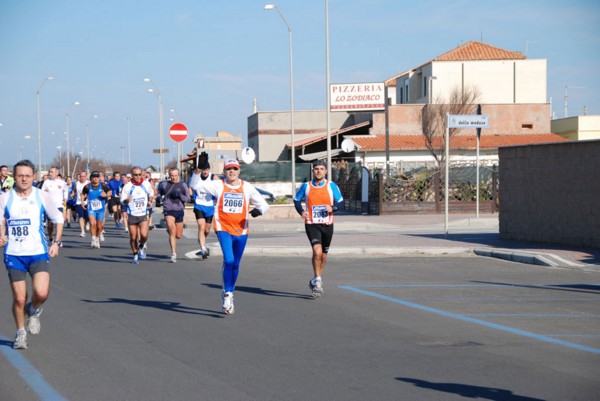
{"points": [[410, 235]]}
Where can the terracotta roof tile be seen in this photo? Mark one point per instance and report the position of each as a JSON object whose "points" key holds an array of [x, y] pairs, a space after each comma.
{"points": [[474, 51], [417, 142]]}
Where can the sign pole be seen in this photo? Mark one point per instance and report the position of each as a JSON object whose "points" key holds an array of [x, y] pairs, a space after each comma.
{"points": [[447, 171], [477, 162]]}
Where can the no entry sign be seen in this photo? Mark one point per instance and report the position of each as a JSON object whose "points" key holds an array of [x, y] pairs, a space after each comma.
{"points": [[178, 132]]}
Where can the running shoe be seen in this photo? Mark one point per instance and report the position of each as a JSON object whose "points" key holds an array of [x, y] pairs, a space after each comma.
{"points": [[20, 340], [93, 244], [173, 258], [135, 260], [33, 322], [228, 307], [201, 252], [82, 235], [142, 252], [316, 286], [101, 237]]}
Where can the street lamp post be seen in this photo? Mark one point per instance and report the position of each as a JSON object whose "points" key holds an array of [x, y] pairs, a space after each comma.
{"points": [[328, 111], [128, 118], [37, 95], [160, 116], [87, 133], [75, 103], [274, 7]]}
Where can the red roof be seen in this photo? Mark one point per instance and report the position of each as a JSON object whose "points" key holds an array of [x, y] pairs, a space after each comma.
{"points": [[417, 142], [475, 51]]}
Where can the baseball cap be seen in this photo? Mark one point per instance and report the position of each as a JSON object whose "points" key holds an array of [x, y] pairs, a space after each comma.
{"points": [[232, 163], [319, 163], [95, 174]]}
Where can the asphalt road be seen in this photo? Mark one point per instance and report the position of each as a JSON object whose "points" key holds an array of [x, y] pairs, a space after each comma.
{"points": [[410, 328]]}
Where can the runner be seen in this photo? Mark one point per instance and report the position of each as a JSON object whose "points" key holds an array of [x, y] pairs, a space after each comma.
{"points": [[6, 181], [174, 194], [113, 204], [322, 197], [71, 210], [137, 194], [95, 195], [233, 197], [123, 208], [204, 208], [59, 191], [148, 177], [81, 211], [26, 248]]}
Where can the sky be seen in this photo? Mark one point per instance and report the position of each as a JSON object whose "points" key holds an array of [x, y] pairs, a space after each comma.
{"points": [[209, 60]]}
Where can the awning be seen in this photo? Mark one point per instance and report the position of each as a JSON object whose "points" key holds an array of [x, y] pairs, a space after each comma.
{"points": [[319, 138], [319, 155]]}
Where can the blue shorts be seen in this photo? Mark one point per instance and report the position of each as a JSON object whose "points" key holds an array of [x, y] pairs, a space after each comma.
{"points": [[25, 263], [97, 214], [177, 214], [82, 213]]}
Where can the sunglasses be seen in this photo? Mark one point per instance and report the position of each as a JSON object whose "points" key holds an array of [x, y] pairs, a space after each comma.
{"points": [[136, 175], [232, 168]]}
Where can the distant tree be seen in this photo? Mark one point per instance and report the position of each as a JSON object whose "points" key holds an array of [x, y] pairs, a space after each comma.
{"points": [[433, 119]]}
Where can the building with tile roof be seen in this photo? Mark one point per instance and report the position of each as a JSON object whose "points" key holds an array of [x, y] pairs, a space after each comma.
{"points": [[512, 92]]}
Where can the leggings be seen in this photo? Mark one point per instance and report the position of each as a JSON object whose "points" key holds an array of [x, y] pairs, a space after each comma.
{"points": [[232, 247]]}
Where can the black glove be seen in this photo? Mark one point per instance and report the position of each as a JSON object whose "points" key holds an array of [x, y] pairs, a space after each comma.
{"points": [[255, 212]]}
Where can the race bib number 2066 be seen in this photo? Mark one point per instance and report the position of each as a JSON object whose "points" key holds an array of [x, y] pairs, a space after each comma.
{"points": [[233, 202]]}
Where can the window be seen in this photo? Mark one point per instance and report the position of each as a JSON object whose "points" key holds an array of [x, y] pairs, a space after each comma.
{"points": [[406, 92], [527, 126]]}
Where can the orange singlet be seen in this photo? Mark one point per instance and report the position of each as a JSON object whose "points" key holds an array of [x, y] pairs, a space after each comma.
{"points": [[231, 213]]}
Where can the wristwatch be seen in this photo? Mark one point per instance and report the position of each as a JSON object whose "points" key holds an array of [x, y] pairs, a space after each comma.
{"points": [[59, 243]]}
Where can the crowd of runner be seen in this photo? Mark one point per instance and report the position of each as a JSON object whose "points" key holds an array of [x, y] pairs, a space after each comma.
{"points": [[34, 214]]}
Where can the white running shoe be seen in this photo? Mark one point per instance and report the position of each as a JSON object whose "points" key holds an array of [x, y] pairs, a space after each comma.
{"points": [[20, 340], [228, 307], [93, 244], [102, 236], [135, 260], [142, 252], [82, 235], [316, 286], [173, 258], [33, 322]]}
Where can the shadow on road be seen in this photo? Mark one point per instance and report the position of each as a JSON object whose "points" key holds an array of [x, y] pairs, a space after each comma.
{"points": [[258, 290], [468, 391], [168, 306]]}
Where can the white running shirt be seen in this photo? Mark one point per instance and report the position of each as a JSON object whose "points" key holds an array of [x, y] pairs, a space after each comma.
{"points": [[23, 219]]}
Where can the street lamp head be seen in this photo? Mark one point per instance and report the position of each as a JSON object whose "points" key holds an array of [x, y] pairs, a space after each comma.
{"points": [[150, 90], [75, 103], [146, 79], [270, 6], [50, 78]]}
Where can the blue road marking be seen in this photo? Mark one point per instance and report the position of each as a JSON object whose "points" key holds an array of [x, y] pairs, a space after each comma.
{"points": [[464, 318], [34, 379]]}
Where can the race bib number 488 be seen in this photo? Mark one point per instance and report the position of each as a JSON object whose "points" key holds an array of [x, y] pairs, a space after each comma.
{"points": [[19, 228]]}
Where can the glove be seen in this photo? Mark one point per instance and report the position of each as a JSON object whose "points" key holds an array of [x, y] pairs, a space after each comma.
{"points": [[255, 212]]}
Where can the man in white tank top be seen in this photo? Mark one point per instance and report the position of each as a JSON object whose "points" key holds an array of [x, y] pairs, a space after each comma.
{"points": [[26, 247]]}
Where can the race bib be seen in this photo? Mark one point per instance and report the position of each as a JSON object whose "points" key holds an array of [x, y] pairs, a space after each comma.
{"points": [[233, 202], [95, 204], [138, 206], [19, 229], [320, 215]]}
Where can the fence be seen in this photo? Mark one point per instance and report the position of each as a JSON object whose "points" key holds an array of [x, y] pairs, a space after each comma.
{"points": [[420, 190]]}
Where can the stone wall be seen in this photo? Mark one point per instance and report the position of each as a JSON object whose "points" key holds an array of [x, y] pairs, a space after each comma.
{"points": [[550, 193]]}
